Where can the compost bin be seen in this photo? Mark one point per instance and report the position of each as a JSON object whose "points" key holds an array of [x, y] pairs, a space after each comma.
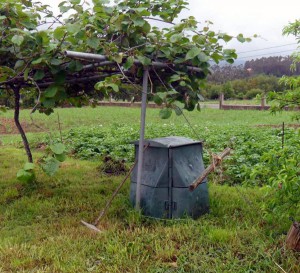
{"points": [[170, 165]]}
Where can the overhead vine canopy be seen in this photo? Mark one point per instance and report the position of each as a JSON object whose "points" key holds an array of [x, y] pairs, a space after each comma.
{"points": [[33, 41]]}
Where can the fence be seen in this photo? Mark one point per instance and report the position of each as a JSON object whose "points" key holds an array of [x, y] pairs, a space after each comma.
{"points": [[223, 106]]}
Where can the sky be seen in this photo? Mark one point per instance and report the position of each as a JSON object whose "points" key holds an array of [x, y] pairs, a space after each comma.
{"points": [[266, 18]]}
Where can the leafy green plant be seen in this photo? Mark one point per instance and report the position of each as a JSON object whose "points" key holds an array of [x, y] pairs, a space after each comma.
{"points": [[26, 174], [55, 155], [279, 168]]}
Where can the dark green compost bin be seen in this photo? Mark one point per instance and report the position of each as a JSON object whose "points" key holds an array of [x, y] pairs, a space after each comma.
{"points": [[170, 165]]}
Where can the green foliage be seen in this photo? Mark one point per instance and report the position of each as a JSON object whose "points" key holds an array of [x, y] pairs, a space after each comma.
{"points": [[165, 113], [293, 29], [279, 168], [252, 93], [121, 31], [50, 163], [246, 88], [290, 98], [27, 173]]}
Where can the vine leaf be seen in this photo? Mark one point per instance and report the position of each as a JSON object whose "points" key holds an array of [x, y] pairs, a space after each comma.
{"points": [[28, 166], [192, 53], [17, 39], [25, 176], [58, 148], [165, 113], [51, 166]]}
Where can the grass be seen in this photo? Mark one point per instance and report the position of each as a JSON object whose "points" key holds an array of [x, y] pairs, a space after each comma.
{"points": [[106, 116], [40, 228]]}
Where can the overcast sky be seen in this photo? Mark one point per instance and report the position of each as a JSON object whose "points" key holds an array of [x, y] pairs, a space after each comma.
{"points": [[263, 17]]}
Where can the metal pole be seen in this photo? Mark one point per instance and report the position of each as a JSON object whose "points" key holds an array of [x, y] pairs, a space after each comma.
{"points": [[141, 141], [104, 59]]}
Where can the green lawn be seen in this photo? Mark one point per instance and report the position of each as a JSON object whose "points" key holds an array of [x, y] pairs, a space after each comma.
{"points": [[40, 228], [106, 116]]}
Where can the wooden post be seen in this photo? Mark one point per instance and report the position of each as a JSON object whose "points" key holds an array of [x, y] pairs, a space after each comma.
{"points": [[293, 237], [221, 100], [217, 160], [263, 101]]}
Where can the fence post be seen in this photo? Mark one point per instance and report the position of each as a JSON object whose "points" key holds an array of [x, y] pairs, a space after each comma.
{"points": [[263, 101], [221, 100]]}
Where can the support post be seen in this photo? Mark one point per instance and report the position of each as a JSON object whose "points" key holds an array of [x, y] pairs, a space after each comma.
{"points": [[221, 100], [141, 140], [263, 101]]}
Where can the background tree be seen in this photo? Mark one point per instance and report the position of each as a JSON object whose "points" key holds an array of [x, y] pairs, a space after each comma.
{"points": [[290, 97]]}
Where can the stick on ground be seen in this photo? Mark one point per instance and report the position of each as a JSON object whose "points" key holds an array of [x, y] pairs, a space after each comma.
{"points": [[108, 203]]}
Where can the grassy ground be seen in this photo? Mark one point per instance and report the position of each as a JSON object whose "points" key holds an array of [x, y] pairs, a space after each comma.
{"points": [[78, 117], [40, 228]]}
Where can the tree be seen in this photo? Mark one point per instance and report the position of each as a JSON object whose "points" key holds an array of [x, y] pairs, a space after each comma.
{"points": [[291, 97], [33, 41], [287, 174]]}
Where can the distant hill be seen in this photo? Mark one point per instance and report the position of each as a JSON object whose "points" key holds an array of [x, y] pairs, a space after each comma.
{"points": [[273, 66]]}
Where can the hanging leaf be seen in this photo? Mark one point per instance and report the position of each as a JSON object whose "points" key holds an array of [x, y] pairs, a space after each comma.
{"points": [[51, 91], [75, 66], [59, 33], [19, 63], [26, 73], [178, 110], [58, 148], [144, 60], [227, 38], [139, 22], [175, 38], [192, 53], [93, 42], [17, 39], [118, 58], [39, 75], [51, 166], [158, 100], [129, 62], [37, 61], [60, 157], [114, 86], [25, 176], [241, 38], [165, 113], [203, 57], [28, 166]]}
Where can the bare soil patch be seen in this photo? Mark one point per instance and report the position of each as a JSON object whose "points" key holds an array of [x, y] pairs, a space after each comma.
{"points": [[8, 127]]}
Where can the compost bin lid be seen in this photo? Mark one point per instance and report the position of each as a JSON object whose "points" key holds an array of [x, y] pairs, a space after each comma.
{"points": [[169, 142]]}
